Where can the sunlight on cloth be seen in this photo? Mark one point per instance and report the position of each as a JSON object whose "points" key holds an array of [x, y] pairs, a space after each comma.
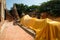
{"points": [[46, 29]]}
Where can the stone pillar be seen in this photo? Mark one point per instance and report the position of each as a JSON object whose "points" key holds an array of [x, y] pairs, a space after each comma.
{"points": [[3, 3]]}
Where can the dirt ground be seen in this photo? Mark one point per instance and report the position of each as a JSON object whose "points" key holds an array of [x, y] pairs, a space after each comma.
{"points": [[8, 31]]}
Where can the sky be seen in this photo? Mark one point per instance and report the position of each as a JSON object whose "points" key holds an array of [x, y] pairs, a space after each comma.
{"points": [[9, 3]]}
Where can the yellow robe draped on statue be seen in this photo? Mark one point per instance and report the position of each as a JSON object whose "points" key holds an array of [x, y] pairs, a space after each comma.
{"points": [[46, 29]]}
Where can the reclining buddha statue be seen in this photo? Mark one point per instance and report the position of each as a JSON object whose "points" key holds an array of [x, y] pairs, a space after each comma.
{"points": [[46, 29]]}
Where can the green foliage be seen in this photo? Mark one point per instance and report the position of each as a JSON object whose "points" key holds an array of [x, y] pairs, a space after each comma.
{"points": [[54, 0], [21, 8], [51, 7], [33, 8]]}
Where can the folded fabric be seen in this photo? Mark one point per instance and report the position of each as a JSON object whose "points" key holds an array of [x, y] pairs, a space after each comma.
{"points": [[46, 29]]}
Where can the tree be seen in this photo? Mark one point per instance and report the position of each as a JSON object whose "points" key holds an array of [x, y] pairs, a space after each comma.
{"points": [[54, 0], [33, 8], [51, 7], [21, 8]]}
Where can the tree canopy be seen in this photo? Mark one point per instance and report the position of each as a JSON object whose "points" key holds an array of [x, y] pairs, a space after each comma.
{"points": [[52, 7]]}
